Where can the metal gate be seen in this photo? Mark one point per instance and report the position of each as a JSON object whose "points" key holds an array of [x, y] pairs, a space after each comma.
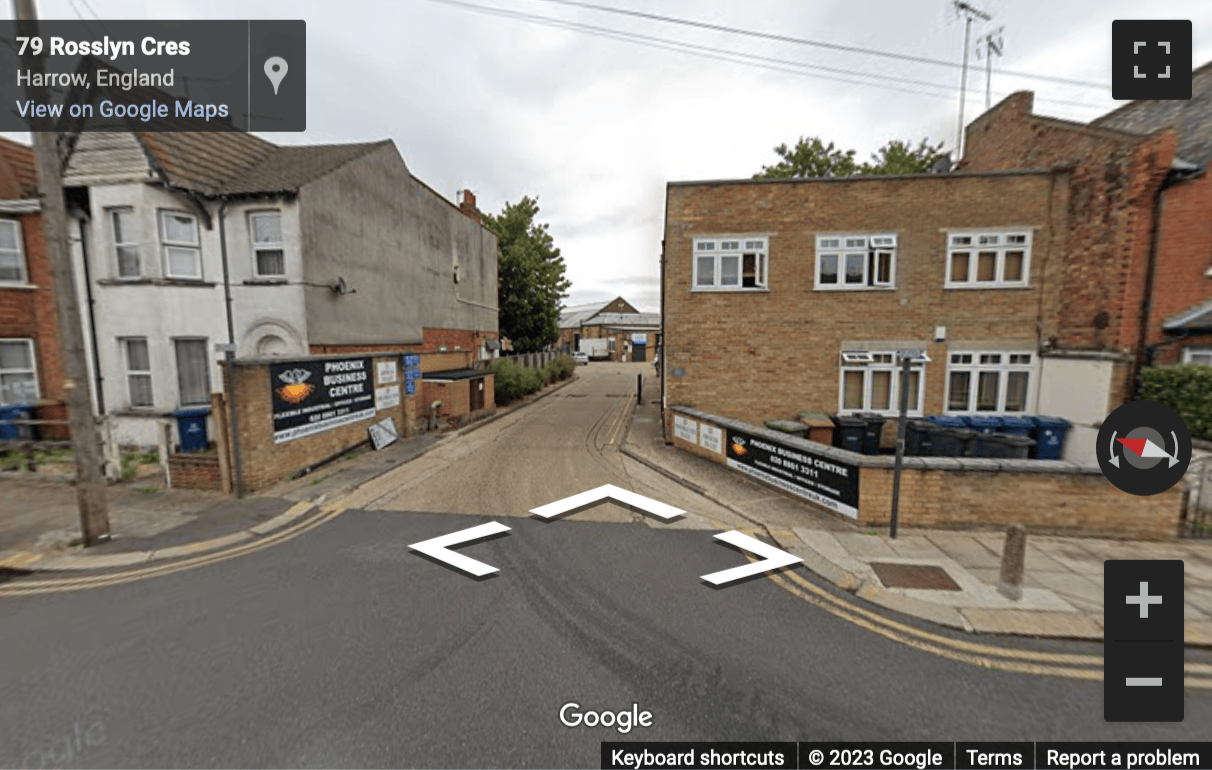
{"points": [[1197, 499]]}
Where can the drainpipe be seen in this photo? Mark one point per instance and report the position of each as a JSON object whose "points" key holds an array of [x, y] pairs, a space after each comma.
{"points": [[81, 218], [233, 420], [1146, 305]]}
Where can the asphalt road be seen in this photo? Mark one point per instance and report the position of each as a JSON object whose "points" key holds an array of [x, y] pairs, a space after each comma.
{"points": [[341, 648]]}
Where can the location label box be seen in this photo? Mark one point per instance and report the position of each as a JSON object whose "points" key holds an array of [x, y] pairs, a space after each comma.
{"points": [[1143, 641], [182, 76]]}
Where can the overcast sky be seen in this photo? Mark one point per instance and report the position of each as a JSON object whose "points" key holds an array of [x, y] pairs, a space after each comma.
{"points": [[595, 126]]}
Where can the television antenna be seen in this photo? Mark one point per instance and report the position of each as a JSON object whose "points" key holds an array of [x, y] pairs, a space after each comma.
{"points": [[993, 45], [969, 13]]}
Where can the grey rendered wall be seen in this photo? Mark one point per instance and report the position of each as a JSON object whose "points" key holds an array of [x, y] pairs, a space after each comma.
{"points": [[395, 242]]}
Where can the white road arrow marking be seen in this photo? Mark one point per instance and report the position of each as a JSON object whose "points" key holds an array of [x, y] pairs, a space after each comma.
{"points": [[438, 548], [772, 557], [631, 500]]}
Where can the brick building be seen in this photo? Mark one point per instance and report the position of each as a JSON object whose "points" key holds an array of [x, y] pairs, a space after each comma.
{"points": [[325, 250], [31, 371], [1040, 277], [626, 333]]}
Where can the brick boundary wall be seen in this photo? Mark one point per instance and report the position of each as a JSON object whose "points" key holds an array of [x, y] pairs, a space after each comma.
{"points": [[195, 472], [1048, 496], [265, 463]]}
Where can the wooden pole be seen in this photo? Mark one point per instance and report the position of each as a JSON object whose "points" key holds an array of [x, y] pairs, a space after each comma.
{"points": [[90, 480]]}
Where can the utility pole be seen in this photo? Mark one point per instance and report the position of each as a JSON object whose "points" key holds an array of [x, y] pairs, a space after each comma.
{"points": [[969, 12], [90, 481], [993, 45]]}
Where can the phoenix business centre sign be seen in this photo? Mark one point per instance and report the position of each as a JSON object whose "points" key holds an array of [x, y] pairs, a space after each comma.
{"points": [[810, 475], [311, 397]]}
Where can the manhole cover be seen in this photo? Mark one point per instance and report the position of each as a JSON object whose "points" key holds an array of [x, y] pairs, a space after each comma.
{"points": [[925, 576]]}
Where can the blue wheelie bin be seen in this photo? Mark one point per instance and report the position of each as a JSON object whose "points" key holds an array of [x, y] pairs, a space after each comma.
{"points": [[191, 427], [985, 425], [951, 437], [1017, 426], [1049, 437], [9, 429]]}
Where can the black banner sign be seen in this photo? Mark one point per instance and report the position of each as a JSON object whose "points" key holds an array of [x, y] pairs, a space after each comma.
{"points": [[816, 477], [311, 397]]}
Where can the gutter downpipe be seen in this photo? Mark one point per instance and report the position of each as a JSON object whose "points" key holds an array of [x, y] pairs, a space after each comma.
{"points": [[228, 358], [1143, 349], [82, 220]]}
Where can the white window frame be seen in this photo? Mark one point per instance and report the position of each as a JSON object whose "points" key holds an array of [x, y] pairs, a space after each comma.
{"points": [[1004, 367], [166, 244], [113, 234], [269, 245], [33, 360], [1189, 354], [132, 373], [725, 247], [881, 361], [206, 364], [843, 245], [22, 267], [974, 248]]}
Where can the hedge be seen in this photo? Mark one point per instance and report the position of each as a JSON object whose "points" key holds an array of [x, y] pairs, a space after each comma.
{"points": [[514, 380], [1185, 388]]}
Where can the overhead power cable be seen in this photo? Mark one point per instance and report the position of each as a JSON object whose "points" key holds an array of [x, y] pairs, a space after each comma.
{"points": [[818, 43], [946, 91]]}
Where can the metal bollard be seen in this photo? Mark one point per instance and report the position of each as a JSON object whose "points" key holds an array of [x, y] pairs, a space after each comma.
{"points": [[1014, 555], [639, 388]]}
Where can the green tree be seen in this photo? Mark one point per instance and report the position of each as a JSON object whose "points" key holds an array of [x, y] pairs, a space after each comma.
{"points": [[813, 158], [899, 157], [809, 157], [530, 275]]}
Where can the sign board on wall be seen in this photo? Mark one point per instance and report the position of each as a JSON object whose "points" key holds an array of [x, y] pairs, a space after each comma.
{"points": [[816, 477], [711, 438], [412, 373], [386, 372], [310, 397], [639, 339], [686, 429], [386, 398]]}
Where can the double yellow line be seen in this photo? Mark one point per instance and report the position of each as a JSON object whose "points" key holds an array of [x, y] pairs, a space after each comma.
{"points": [[1089, 667], [56, 585]]}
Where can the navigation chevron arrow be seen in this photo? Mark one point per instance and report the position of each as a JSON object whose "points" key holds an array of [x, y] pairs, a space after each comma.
{"points": [[580, 502], [438, 548], [772, 558]]}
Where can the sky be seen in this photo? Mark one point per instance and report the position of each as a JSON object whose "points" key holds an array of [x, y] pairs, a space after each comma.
{"points": [[506, 99]]}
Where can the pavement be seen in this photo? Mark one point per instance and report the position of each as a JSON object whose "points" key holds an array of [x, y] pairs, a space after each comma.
{"points": [[1061, 596], [1062, 589]]}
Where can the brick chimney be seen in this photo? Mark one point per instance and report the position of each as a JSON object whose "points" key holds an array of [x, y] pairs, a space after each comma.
{"points": [[467, 204]]}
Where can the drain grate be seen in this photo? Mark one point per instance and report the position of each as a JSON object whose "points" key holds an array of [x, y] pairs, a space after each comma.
{"points": [[925, 576]]}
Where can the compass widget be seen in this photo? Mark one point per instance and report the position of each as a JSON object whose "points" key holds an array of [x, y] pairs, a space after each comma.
{"points": [[1144, 448]]}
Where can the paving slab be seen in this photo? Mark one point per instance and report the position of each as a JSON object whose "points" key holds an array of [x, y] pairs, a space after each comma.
{"points": [[864, 546], [966, 550], [895, 600], [1033, 623], [915, 546]]}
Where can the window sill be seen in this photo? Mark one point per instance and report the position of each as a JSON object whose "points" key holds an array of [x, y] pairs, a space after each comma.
{"points": [[18, 286], [729, 290], [999, 286], [155, 282], [140, 411], [854, 288]]}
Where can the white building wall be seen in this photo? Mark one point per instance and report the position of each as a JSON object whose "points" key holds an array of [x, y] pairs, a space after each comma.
{"points": [[1077, 390], [163, 310]]}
